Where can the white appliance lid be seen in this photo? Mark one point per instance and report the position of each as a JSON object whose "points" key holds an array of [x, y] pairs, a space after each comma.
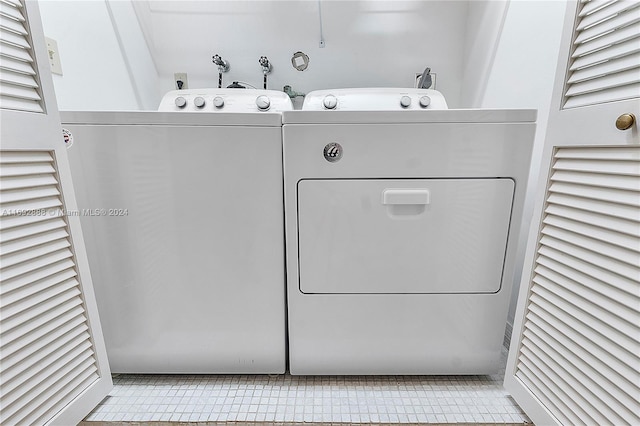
{"points": [[171, 118], [429, 116]]}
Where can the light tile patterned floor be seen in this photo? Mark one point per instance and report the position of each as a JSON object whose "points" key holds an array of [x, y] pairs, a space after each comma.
{"points": [[308, 399]]}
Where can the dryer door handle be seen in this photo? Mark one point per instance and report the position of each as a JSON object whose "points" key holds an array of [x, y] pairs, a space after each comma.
{"points": [[395, 196]]}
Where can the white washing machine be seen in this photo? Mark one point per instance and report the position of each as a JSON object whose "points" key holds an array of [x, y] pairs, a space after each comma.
{"points": [[183, 221], [401, 220]]}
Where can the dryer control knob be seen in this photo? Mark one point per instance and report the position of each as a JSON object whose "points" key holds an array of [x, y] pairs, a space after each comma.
{"points": [[181, 102], [425, 101], [405, 101], [263, 102], [199, 102], [330, 102], [218, 102]]}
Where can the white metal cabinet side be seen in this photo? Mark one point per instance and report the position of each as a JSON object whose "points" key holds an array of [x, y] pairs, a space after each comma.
{"points": [[53, 367], [575, 334]]}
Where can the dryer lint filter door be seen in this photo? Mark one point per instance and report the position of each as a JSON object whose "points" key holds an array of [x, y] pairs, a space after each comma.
{"points": [[403, 236]]}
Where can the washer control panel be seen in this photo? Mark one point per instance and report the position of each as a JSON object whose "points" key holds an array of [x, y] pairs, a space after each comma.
{"points": [[374, 99], [226, 100]]}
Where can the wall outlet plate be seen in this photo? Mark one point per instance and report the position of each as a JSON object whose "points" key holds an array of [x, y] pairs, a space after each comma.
{"points": [[180, 76], [433, 80], [54, 56]]}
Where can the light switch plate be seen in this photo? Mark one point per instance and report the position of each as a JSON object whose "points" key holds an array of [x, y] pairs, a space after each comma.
{"points": [[54, 56]]}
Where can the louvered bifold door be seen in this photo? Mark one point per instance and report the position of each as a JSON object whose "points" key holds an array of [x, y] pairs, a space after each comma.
{"points": [[46, 353], [579, 353], [19, 86], [53, 363], [605, 61]]}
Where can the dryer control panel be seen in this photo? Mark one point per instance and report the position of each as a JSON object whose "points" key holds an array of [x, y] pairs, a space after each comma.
{"points": [[374, 99], [225, 100]]}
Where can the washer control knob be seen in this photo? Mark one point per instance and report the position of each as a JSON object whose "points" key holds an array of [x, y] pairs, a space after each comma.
{"points": [[425, 101], [405, 101], [330, 102], [199, 102], [263, 102], [218, 102], [181, 102]]}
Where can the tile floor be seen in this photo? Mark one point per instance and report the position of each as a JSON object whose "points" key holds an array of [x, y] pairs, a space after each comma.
{"points": [[285, 399]]}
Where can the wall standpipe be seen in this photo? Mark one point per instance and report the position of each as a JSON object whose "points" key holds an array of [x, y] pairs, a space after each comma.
{"points": [[223, 66], [266, 69]]}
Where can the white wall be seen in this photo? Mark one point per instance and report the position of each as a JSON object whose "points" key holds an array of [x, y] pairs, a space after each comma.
{"points": [[96, 72], [484, 28], [368, 43], [522, 76]]}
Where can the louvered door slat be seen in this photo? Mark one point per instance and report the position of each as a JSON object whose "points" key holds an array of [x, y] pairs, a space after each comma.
{"points": [[17, 376], [32, 241], [540, 383], [34, 264], [628, 256], [580, 351], [604, 65], [53, 330], [69, 287], [596, 181], [51, 406], [12, 11], [577, 278], [554, 291], [17, 182], [54, 379], [39, 353], [32, 288], [38, 304], [588, 360], [25, 169], [19, 85], [15, 258], [595, 193], [603, 14], [574, 333], [14, 65], [607, 264], [16, 39], [610, 167], [19, 79], [580, 222], [49, 270], [577, 393], [616, 52], [612, 40], [18, 227], [12, 25], [592, 6], [19, 92], [45, 348], [21, 157], [38, 318], [541, 306], [620, 20], [604, 82], [603, 208], [10, 196], [584, 228], [603, 96], [55, 359], [14, 53], [612, 66]]}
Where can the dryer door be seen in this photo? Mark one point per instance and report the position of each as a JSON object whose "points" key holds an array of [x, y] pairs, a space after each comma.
{"points": [[403, 236]]}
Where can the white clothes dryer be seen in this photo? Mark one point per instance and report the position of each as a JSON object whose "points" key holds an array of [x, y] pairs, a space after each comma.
{"points": [[183, 222], [401, 220]]}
